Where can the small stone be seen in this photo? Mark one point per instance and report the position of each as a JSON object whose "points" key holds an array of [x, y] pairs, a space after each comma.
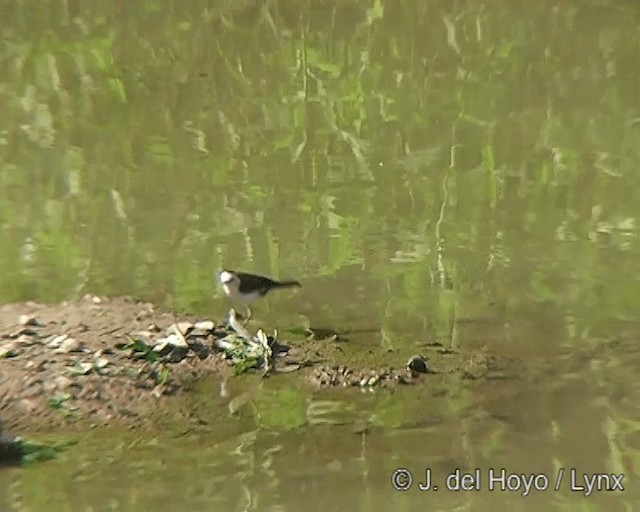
{"points": [[101, 362], [163, 347], [83, 369], [26, 405], [403, 379], [25, 340], [29, 320], [180, 329], [23, 331], [29, 365], [141, 335], [178, 354], [364, 381], [56, 341], [71, 345], [61, 382], [198, 333], [205, 325], [154, 328], [48, 386], [9, 349], [200, 349], [288, 368], [158, 391], [176, 341], [373, 380], [96, 300]]}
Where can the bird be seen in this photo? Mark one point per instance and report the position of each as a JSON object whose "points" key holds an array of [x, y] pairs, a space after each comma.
{"points": [[245, 288]]}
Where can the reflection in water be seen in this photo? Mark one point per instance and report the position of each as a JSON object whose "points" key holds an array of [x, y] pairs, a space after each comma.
{"points": [[459, 172], [340, 449]]}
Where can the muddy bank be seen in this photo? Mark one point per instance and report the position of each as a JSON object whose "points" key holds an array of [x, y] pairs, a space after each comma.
{"points": [[96, 361]]}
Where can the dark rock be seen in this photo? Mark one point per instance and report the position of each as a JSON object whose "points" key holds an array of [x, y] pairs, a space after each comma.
{"points": [[163, 348], [200, 349], [10, 450], [418, 364], [177, 354]]}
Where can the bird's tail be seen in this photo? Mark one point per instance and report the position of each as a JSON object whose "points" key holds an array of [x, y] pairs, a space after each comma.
{"points": [[288, 284]]}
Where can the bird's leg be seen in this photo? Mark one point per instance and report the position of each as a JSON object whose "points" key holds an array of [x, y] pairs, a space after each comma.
{"points": [[248, 316], [231, 312]]}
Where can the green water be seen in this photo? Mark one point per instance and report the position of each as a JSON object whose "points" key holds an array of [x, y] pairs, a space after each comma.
{"points": [[460, 171]]}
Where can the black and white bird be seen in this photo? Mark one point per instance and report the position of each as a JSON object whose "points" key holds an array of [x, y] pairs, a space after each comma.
{"points": [[245, 288]]}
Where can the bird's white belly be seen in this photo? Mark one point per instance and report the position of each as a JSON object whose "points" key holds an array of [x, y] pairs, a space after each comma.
{"points": [[233, 293]]}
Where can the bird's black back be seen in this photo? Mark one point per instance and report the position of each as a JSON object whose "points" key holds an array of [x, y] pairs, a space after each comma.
{"points": [[261, 284], [252, 283]]}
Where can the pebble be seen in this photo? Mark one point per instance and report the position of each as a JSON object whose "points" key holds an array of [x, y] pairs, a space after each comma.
{"points": [[199, 333], [29, 320], [180, 329], [175, 340], [83, 369], [178, 354], [287, 368], [199, 349], [24, 330], [141, 335], [101, 362], [48, 386], [9, 349], [62, 382], [69, 345], [158, 391], [56, 340], [27, 405], [25, 339], [163, 347], [205, 325]]}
